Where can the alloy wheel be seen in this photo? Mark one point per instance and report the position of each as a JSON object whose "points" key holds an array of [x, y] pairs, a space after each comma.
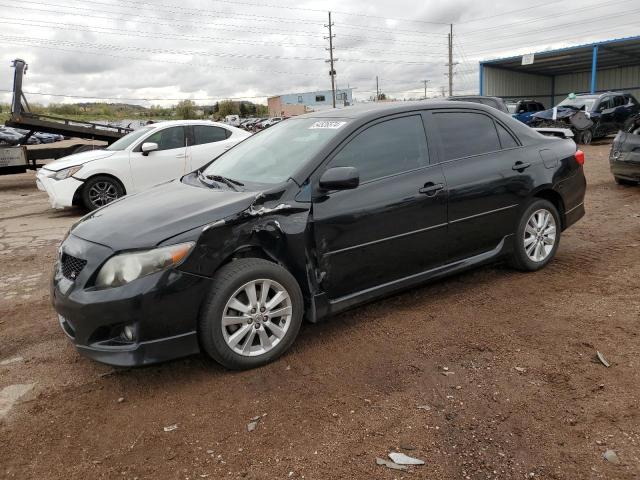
{"points": [[539, 235], [102, 193], [256, 317]]}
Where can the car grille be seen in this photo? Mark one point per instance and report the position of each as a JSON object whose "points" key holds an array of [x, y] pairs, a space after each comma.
{"points": [[71, 266]]}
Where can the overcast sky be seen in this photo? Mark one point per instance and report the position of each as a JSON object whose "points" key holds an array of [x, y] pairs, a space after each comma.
{"points": [[209, 50]]}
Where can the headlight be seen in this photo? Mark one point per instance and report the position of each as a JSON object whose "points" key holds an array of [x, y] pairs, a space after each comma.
{"points": [[126, 267], [65, 172]]}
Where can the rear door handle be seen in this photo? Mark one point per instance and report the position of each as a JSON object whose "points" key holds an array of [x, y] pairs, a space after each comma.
{"points": [[520, 166], [431, 188], [181, 155]]}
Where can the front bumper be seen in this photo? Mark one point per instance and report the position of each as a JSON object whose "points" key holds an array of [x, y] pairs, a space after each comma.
{"points": [[60, 192], [162, 310]]}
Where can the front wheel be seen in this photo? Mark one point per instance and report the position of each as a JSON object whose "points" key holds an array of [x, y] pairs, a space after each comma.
{"points": [[253, 314], [100, 190], [537, 237]]}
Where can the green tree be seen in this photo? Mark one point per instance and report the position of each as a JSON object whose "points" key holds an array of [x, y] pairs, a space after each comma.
{"points": [[186, 109], [227, 107]]}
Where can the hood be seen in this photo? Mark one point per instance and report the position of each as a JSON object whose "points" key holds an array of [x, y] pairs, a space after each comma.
{"points": [[146, 219], [562, 112], [78, 159]]}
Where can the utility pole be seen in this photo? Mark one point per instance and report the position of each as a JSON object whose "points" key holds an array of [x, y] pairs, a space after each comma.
{"points": [[451, 59], [331, 60], [377, 90], [425, 87], [451, 63]]}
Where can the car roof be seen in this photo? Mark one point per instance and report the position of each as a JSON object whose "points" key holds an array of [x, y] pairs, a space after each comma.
{"points": [[170, 123], [368, 110]]}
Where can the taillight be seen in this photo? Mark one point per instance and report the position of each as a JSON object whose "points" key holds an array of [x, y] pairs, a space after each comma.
{"points": [[579, 157]]}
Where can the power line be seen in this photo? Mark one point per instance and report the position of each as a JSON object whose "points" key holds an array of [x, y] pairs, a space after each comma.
{"points": [[511, 47], [19, 41], [547, 28], [147, 34], [509, 12], [235, 28], [145, 99]]}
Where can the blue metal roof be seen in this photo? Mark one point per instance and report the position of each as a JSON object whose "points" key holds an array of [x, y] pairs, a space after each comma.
{"points": [[611, 53]]}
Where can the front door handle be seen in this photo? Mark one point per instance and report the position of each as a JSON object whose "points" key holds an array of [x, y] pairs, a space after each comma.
{"points": [[430, 188], [520, 166], [181, 155]]}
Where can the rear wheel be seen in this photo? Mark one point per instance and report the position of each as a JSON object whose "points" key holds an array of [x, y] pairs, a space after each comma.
{"points": [[253, 314], [100, 190], [537, 237], [586, 136]]}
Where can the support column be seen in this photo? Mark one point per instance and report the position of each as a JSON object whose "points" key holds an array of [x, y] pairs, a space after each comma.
{"points": [[594, 68], [481, 79]]}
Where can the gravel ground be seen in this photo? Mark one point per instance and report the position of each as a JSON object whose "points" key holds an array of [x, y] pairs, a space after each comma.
{"points": [[488, 374]]}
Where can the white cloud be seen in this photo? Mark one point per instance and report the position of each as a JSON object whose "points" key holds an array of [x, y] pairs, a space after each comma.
{"points": [[206, 49]]}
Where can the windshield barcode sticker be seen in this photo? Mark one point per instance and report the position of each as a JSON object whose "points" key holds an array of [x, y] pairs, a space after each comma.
{"points": [[332, 125]]}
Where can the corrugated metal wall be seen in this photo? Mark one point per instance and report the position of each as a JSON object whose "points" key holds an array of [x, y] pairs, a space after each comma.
{"points": [[611, 79], [505, 83]]}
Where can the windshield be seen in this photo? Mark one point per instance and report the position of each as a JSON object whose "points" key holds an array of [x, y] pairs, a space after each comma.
{"points": [[578, 103], [511, 107], [276, 153], [128, 139]]}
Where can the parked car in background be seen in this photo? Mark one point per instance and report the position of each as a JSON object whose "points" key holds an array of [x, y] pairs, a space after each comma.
{"points": [[271, 121], [313, 216], [522, 110], [624, 157], [145, 157], [9, 136], [259, 125], [590, 116], [233, 120], [495, 102]]}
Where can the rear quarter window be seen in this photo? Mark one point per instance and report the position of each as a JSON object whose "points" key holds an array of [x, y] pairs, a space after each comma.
{"points": [[463, 134]]}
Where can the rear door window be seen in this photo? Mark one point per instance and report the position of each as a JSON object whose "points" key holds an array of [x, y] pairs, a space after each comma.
{"points": [[386, 148], [209, 134], [463, 134]]}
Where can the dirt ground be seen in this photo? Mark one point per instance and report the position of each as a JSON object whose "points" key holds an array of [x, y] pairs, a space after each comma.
{"points": [[431, 373]]}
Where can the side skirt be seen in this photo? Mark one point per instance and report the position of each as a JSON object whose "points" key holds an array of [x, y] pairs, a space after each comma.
{"points": [[325, 307]]}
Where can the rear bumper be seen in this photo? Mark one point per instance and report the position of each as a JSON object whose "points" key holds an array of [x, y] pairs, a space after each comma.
{"points": [[60, 192]]}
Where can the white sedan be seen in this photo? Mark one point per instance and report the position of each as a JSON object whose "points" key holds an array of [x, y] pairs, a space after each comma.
{"points": [[145, 157]]}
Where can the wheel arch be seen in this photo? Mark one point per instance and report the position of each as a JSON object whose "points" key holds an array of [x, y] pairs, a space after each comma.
{"points": [[77, 196], [551, 195], [257, 250]]}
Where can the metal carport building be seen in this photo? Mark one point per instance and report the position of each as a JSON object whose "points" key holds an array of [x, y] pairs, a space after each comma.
{"points": [[550, 76]]}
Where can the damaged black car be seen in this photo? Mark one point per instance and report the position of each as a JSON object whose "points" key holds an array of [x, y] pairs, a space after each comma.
{"points": [[590, 116], [624, 157], [309, 218]]}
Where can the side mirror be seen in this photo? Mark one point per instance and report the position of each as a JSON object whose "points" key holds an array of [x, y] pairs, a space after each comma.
{"points": [[340, 178], [148, 147]]}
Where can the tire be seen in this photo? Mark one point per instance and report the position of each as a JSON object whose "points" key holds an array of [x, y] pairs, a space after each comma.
{"points": [[100, 190], [586, 136], [527, 259], [248, 348], [624, 181]]}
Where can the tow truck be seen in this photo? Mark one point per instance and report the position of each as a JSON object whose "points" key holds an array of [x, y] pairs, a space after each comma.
{"points": [[19, 158]]}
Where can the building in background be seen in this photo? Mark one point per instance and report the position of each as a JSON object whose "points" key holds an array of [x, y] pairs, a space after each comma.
{"points": [[550, 76], [292, 104]]}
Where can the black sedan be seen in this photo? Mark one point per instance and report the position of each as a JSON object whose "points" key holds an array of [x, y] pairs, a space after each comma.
{"points": [[311, 217]]}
